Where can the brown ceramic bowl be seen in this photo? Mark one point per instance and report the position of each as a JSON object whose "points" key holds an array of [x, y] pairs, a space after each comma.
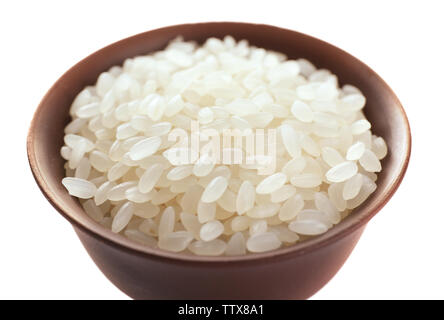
{"points": [[295, 272]]}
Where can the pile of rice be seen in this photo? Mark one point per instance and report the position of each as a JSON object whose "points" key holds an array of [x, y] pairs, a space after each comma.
{"points": [[119, 160]]}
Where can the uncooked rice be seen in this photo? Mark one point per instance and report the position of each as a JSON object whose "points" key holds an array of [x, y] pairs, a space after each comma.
{"points": [[121, 165]]}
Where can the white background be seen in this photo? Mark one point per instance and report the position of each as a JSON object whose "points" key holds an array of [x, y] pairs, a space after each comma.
{"points": [[400, 255]]}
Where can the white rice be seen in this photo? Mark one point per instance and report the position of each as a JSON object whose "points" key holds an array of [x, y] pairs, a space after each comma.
{"points": [[123, 168]]}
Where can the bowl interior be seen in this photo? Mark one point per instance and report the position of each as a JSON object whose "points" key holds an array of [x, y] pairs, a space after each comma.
{"points": [[383, 110]]}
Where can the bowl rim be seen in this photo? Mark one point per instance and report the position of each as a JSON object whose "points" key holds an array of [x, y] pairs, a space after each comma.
{"points": [[103, 234]]}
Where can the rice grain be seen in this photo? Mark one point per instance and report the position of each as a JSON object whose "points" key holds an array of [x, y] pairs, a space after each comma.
{"points": [[133, 153]]}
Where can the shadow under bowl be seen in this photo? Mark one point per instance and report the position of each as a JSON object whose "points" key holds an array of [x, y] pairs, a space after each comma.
{"points": [[295, 272]]}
